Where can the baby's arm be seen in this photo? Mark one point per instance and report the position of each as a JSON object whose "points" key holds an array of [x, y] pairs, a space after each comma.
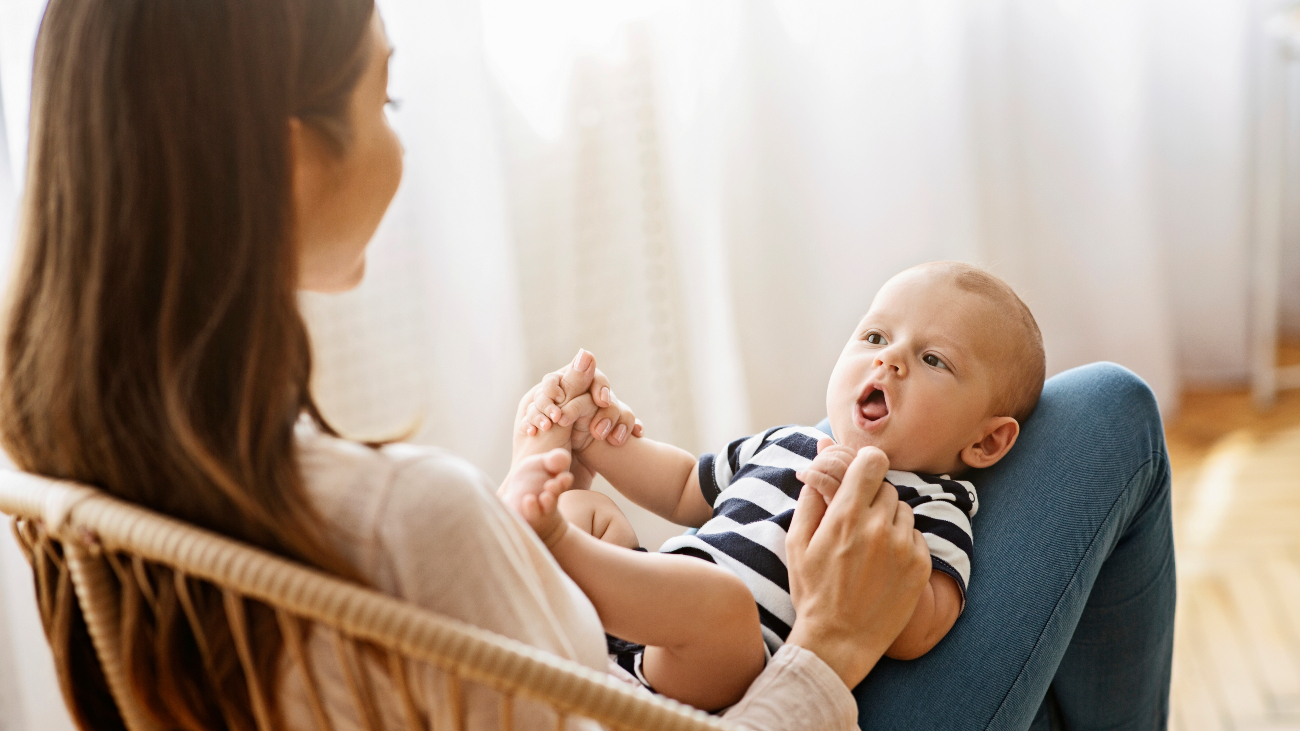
{"points": [[578, 399], [940, 601], [935, 613], [659, 477]]}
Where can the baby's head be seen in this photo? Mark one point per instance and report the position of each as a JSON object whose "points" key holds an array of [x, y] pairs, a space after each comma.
{"points": [[940, 373]]}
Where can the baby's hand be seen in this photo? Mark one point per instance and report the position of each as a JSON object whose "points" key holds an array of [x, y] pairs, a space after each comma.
{"points": [[578, 395], [827, 471], [533, 491]]}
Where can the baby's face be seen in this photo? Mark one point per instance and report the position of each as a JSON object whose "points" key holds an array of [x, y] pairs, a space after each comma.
{"points": [[915, 379]]}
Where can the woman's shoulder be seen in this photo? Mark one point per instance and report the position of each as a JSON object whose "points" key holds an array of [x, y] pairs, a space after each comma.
{"points": [[370, 495], [333, 464], [425, 525]]}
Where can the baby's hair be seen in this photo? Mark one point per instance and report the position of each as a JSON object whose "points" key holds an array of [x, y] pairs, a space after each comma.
{"points": [[1023, 358]]}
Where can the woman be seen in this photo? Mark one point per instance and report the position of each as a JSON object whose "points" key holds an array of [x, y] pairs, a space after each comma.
{"points": [[191, 165]]}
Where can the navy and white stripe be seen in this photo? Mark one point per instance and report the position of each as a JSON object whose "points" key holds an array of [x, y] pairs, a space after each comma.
{"points": [[752, 487]]}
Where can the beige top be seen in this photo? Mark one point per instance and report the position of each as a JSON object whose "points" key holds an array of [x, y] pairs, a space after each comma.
{"points": [[426, 526]]}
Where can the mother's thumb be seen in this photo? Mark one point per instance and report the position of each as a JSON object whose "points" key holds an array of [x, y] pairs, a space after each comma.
{"points": [[808, 516], [863, 476]]}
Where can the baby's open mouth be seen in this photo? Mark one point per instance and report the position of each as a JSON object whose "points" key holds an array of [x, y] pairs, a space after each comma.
{"points": [[874, 406]]}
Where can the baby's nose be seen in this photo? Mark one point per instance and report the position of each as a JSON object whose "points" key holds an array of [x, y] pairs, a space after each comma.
{"points": [[891, 361]]}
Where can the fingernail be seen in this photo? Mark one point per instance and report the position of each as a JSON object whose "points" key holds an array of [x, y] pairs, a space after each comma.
{"points": [[606, 396], [620, 433], [580, 361], [554, 413], [603, 428]]}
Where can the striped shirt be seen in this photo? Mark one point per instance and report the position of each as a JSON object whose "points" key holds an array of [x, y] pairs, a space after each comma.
{"points": [[753, 491]]}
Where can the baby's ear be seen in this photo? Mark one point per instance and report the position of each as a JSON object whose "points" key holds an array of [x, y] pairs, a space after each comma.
{"points": [[999, 435]]}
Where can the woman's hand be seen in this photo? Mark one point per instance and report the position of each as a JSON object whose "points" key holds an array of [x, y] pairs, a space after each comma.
{"points": [[576, 396], [857, 567], [827, 471]]}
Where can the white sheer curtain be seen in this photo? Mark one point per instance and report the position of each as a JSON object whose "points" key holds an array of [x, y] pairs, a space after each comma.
{"points": [[707, 193], [29, 693]]}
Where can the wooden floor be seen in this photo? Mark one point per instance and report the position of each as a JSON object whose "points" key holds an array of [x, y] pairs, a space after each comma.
{"points": [[1237, 530]]}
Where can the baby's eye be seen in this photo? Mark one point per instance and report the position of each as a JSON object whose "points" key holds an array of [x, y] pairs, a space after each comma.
{"points": [[933, 360], [875, 338]]}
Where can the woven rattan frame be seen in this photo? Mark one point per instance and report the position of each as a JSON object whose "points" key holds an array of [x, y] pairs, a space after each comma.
{"points": [[91, 525]]}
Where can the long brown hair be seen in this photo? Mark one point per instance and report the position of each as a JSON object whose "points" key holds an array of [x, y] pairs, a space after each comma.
{"points": [[154, 346]]}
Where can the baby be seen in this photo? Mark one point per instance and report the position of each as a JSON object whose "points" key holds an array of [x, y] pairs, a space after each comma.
{"points": [[939, 375]]}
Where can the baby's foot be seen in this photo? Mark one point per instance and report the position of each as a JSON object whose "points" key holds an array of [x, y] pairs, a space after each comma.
{"points": [[533, 491]]}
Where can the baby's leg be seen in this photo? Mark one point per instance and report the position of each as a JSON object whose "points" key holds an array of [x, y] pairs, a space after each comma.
{"points": [[704, 644], [597, 514], [710, 647]]}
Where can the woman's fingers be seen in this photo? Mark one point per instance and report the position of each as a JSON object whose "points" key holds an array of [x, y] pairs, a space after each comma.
{"points": [[808, 514], [561, 386], [615, 423], [904, 518], [606, 421], [828, 469], [579, 395], [577, 379], [855, 574], [886, 502], [861, 484], [625, 425], [920, 549], [583, 360], [600, 390]]}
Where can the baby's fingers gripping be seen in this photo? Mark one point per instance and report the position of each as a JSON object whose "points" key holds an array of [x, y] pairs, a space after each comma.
{"points": [[834, 461], [534, 421], [549, 397], [579, 410], [577, 377], [821, 482], [828, 469]]}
